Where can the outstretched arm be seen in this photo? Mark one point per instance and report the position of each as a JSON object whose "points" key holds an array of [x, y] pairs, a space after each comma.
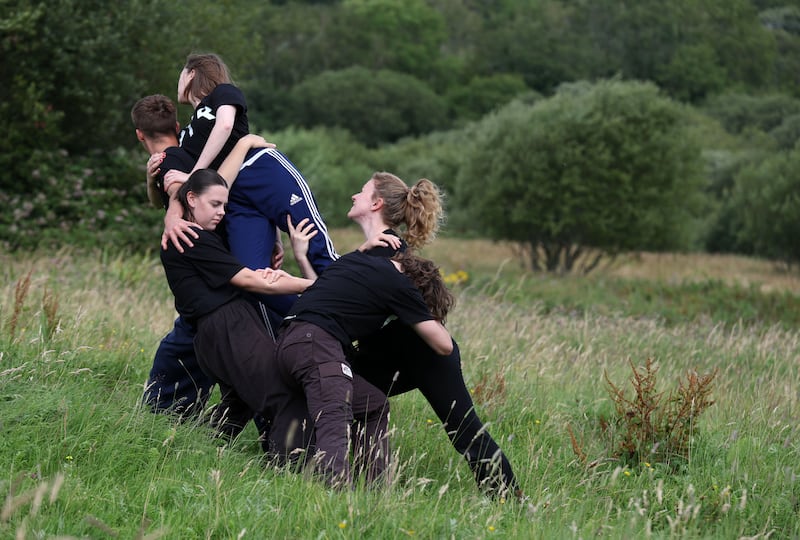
{"points": [[229, 169], [436, 335], [269, 281]]}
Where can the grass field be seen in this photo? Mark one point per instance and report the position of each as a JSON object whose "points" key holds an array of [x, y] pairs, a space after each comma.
{"points": [[81, 459]]}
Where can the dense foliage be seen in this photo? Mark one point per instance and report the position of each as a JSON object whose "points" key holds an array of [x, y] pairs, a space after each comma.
{"points": [[404, 80], [606, 166]]}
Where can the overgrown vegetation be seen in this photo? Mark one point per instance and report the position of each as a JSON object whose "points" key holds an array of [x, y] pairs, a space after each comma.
{"points": [[609, 166], [448, 67], [651, 427], [73, 436]]}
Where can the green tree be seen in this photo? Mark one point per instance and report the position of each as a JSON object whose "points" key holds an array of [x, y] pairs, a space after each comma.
{"points": [[767, 197], [608, 166], [397, 35], [536, 40], [784, 24], [484, 94], [27, 119], [738, 112], [75, 57], [693, 72], [375, 106], [693, 48]]}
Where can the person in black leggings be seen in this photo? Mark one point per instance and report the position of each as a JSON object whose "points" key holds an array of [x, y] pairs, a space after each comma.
{"points": [[396, 360]]}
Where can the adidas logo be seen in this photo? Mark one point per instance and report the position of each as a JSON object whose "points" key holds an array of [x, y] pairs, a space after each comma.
{"points": [[294, 199]]}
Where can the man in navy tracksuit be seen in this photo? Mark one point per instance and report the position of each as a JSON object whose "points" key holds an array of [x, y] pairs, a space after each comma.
{"points": [[267, 189]]}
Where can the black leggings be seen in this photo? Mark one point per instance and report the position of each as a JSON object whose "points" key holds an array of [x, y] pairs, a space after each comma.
{"points": [[397, 360]]}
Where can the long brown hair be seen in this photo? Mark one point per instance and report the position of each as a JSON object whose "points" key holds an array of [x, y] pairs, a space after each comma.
{"points": [[428, 279], [209, 72], [418, 208]]}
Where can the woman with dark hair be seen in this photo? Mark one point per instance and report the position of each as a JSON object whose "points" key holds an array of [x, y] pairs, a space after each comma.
{"points": [[210, 286]]}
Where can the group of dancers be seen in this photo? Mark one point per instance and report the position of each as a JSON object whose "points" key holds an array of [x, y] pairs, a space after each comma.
{"points": [[312, 359]]}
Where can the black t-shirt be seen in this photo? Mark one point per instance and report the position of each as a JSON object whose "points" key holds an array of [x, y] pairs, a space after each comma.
{"points": [[194, 136], [356, 294], [176, 158], [200, 276]]}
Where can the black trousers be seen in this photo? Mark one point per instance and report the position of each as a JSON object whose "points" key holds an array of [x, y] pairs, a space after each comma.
{"points": [[338, 401], [233, 347], [397, 360]]}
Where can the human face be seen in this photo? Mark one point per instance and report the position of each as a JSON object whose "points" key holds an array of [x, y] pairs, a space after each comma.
{"points": [[208, 208], [364, 201], [183, 81]]}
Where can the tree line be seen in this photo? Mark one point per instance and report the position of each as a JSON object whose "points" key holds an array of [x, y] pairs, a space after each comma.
{"points": [[565, 125]]}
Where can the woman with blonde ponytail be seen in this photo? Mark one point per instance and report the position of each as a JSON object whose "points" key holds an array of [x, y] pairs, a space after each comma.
{"points": [[395, 359], [415, 211]]}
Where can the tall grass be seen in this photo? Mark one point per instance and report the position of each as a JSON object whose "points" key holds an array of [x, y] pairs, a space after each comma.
{"points": [[81, 458]]}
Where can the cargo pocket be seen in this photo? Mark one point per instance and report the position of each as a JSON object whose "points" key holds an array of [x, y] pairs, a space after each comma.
{"points": [[336, 382]]}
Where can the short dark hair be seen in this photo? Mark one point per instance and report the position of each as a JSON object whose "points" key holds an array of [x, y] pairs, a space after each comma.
{"points": [[155, 115]]}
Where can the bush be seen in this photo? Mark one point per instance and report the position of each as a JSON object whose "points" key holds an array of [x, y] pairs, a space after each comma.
{"points": [[788, 132], [484, 94], [436, 156], [609, 166], [86, 201], [375, 106], [650, 427], [767, 199], [737, 112]]}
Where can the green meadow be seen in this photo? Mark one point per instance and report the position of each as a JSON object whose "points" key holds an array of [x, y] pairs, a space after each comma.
{"points": [[81, 458]]}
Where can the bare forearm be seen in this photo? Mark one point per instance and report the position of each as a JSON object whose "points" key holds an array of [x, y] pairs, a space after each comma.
{"points": [[436, 336], [229, 169], [305, 267], [174, 210], [252, 281]]}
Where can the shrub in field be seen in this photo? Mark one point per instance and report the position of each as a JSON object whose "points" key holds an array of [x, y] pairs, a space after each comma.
{"points": [[96, 200], [765, 197], [609, 166], [390, 105], [651, 426]]}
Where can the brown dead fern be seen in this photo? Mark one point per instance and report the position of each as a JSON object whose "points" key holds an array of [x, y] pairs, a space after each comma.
{"points": [[650, 426]]}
